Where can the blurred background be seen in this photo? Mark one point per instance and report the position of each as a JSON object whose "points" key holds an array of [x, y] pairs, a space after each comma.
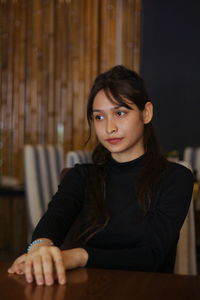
{"points": [[50, 53], [170, 64]]}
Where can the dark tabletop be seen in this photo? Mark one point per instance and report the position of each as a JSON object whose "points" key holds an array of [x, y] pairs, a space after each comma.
{"points": [[15, 190], [92, 284]]}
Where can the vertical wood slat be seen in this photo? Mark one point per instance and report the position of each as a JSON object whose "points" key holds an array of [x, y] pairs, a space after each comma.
{"points": [[75, 23], [3, 56], [67, 93], [14, 109], [27, 55], [50, 53], [136, 35], [58, 70], [2, 84], [21, 103], [46, 35], [93, 35], [51, 62], [1, 123]]}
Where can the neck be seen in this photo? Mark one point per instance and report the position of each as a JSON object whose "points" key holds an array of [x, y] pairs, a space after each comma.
{"points": [[120, 157]]}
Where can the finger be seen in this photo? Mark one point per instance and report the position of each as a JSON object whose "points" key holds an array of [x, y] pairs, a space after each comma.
{"points": [[28, 270], [59, 265], [12, 269], [38, 270], [19, 260], [20, 269], [48, 269], [17, 268]]}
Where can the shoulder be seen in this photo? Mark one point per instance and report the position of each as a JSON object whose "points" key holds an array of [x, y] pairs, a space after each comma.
{"points": [[79, 171], [179, 171], [177, 177], [74, 180], [174, 192]]}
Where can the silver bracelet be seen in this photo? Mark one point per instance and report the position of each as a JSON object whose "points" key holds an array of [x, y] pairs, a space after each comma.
{"points": [[36, 242]]}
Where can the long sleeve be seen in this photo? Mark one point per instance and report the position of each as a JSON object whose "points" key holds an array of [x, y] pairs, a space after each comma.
{"points": [[157, 234], [63, 208]]}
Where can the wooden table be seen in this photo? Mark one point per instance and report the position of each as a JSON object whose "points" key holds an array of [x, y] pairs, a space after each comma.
{"points": [[96, 284], [13, 220]]}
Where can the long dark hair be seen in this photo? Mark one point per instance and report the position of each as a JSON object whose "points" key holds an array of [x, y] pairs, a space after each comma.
{"points": [[120, 83]]}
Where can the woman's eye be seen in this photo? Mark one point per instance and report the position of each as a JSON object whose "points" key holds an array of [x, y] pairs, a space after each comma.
{"points": [[121, 113], [98, 117]]}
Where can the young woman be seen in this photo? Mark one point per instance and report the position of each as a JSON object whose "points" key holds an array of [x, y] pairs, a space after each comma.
{"points": [[131, 202]]}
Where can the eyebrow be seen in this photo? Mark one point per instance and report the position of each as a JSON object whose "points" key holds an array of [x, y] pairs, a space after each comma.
{"points": [[113, 108]]}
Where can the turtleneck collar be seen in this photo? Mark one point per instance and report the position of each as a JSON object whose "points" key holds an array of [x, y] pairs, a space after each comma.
{"points": [[138, 162]]}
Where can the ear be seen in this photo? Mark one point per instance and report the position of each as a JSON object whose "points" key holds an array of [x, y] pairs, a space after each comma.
{"points": [[148, 113]]}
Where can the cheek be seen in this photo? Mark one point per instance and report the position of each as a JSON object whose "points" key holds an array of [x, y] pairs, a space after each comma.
{"points": [[133, 125], [98, 129]]}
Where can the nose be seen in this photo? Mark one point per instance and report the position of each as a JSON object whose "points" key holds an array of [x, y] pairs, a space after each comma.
{"points": [[111, 126]]}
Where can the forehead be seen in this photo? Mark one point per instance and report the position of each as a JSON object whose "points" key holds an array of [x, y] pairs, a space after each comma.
{"points": [[103, 101]]}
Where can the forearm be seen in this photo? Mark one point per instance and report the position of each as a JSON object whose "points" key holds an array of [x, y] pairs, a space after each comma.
{"points": [[51, 227], [138, 259], [75, 258]]}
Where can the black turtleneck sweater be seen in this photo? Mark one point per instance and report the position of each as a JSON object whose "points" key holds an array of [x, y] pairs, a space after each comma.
{"points": [[128, 241]]}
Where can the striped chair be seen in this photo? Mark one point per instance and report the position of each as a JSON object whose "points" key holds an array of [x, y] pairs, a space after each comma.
{"points": [[192, 156], [186, 260], [78, 156], [42, 167]]}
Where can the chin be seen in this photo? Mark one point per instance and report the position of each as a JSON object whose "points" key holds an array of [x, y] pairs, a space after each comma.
{"points": [[114, 149]]}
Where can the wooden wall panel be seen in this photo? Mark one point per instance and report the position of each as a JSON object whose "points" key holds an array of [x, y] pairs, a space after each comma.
{"points": [[50, 52]]}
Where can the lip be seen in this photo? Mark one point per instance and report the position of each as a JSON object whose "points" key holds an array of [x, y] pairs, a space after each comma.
{"points": [[114, 141]]}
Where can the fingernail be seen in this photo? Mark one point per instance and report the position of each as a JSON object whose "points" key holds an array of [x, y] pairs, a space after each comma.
{"points": [[62, 281], [49, 282], [40, 282], [29, 280]]}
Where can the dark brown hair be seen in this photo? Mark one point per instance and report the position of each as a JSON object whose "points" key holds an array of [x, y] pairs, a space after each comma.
{"points": [[120, 83]]}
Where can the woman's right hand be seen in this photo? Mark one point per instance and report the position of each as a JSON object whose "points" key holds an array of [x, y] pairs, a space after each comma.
{"points": [[43, 263]]}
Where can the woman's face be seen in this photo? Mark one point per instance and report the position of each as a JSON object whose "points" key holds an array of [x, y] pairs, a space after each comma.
{"points": [[119, 129]]}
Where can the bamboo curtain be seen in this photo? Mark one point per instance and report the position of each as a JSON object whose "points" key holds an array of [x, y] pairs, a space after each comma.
{"points": [[50, 52]]}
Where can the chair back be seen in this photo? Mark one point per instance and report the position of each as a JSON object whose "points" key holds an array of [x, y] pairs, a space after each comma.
{"points": [[192, 156], [186, 261], [78, 157], [42, 167]]}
